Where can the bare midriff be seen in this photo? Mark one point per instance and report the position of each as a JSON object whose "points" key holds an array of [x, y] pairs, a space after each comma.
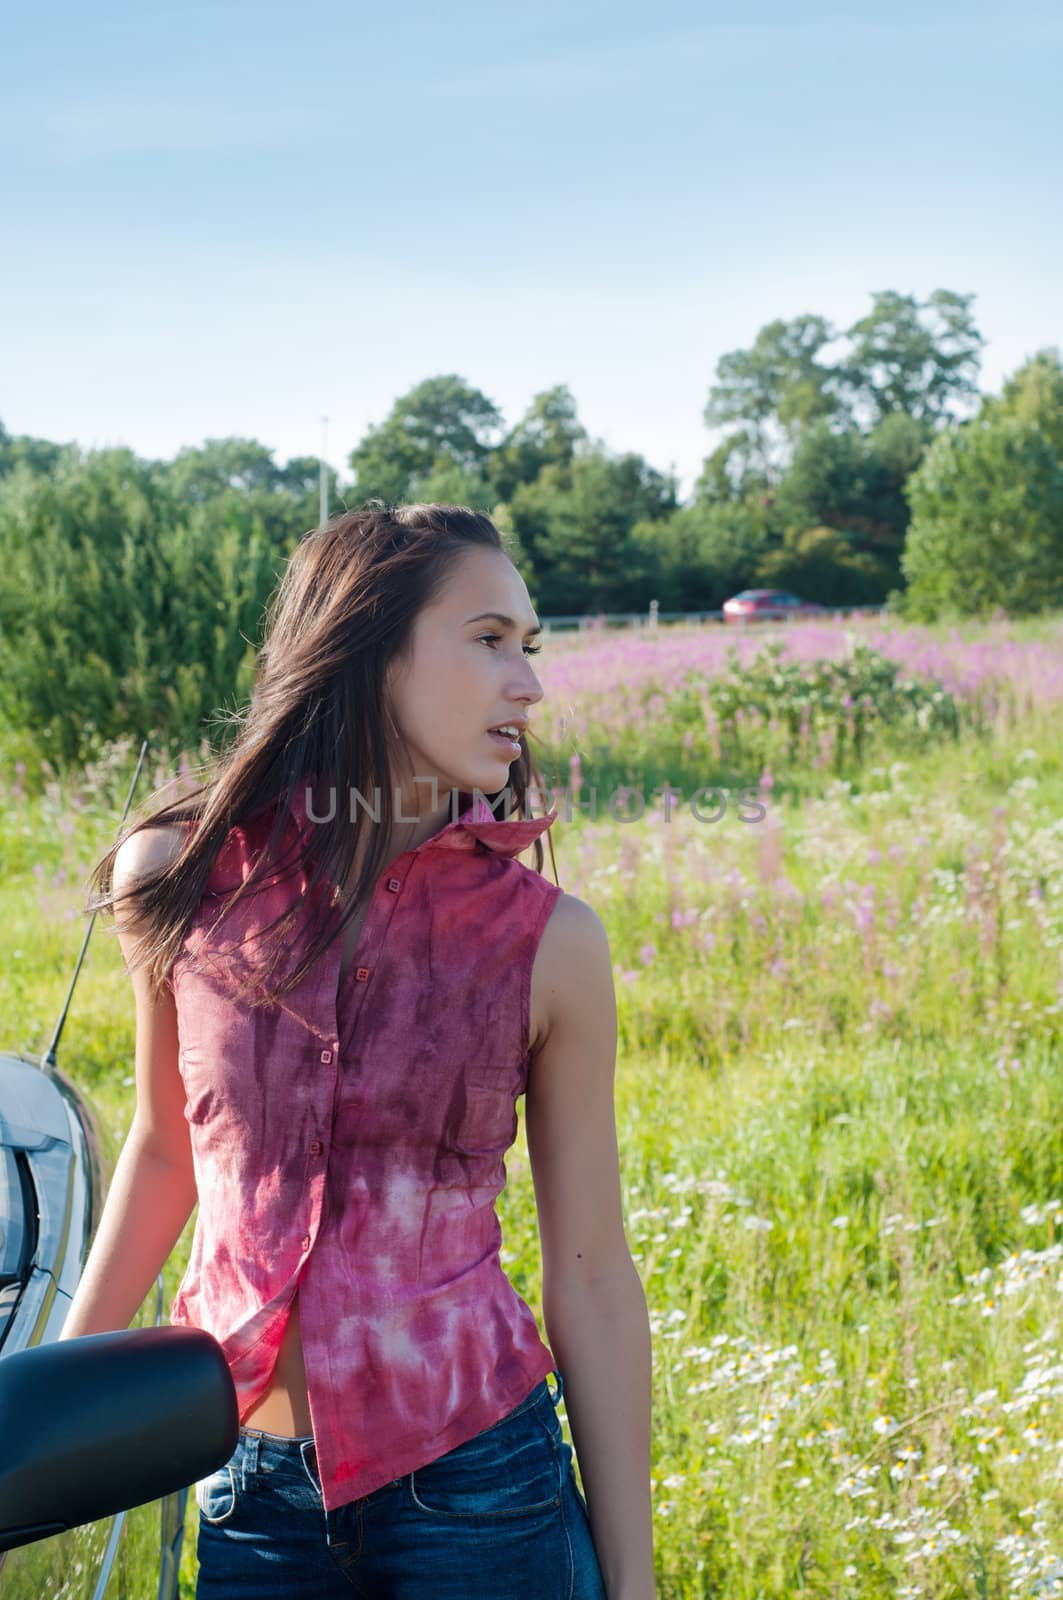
{"points": [[284, 1407]]}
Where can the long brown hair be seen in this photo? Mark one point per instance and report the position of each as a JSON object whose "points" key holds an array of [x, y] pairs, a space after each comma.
{"points": [[319, 710]]}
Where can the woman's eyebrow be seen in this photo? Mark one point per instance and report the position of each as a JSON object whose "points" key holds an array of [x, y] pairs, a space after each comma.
{"points": [[500, 616]]}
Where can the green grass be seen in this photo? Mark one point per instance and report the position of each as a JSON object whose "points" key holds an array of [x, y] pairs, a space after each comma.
{"points": [[841, 1145]]}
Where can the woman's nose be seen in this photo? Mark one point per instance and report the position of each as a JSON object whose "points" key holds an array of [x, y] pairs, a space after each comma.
{"points": [[531, 689]]}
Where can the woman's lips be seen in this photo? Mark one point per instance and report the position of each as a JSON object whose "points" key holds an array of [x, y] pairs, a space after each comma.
{"points": [[507, 744]]}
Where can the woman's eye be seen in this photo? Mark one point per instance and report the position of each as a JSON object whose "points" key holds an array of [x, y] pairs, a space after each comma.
{"points": [[529, 649]]}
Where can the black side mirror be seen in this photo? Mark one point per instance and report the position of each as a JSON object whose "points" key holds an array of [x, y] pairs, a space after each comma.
{"points": [[96, 1425]]}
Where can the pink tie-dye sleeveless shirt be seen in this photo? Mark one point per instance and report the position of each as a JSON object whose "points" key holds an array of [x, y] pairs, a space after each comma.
{"points": [[349, 1143]]}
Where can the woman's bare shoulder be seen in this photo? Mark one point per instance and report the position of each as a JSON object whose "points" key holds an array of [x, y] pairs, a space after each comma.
{"points": [[146, 851], [570, 922], [573, 970]]}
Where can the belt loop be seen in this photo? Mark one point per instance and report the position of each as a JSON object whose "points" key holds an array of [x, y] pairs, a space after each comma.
{"points": [[310, 1467], [556, 1398], [249, 1456]]}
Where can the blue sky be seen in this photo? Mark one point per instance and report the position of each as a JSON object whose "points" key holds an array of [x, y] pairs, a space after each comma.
{"points": [[229, 218]]}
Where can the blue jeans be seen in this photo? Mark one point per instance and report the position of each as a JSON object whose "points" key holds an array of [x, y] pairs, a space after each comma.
{"points": [[499, 1518]]}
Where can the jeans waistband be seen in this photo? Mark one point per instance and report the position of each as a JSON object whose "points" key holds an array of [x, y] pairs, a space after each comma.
{"points": [[262, 1451], [269, 1452]]}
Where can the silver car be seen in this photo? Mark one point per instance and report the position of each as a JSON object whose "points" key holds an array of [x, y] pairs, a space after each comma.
{"points": [[100, 1437]]}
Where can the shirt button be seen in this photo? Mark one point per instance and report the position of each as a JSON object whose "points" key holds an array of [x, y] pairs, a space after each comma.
{"points": [[394, 884], [304, 1242], [326, 1056], [315, 1148], [362, 973]]}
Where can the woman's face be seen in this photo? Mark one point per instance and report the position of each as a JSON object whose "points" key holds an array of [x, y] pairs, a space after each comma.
{"points": [[467, 672]]}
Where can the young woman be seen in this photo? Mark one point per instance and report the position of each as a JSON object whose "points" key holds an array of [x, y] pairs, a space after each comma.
{"points": [[344, 979]]}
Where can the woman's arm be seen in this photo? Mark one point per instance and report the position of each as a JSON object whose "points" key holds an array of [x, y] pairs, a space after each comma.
{"points": [[153, 1189], [594, 1306]]}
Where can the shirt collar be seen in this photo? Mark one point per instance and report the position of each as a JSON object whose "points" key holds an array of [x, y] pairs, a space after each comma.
{"points": [[477, 823]]}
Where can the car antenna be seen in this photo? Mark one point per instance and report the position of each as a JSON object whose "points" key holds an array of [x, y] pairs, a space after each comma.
{"points": [[48, 1060]]}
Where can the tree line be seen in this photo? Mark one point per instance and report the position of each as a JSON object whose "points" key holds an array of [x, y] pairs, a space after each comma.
{"points": [[132, 590]]}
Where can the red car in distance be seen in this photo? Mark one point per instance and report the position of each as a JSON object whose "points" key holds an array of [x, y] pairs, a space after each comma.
{"points": [[768, 605]]}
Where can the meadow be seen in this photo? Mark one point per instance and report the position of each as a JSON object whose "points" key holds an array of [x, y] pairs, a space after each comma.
{"points": [[838, 1080]]}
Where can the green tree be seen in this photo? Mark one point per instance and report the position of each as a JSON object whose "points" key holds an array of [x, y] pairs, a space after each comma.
{"points": [[771, 396], [202, 472], [1033, 394], [117, 615], [820, 564], [442, 417], [450, 484], [898, 362], [237, 482], [39, 455], [778, 385], [300, 477], [575, 526], [734, 472], [548, 435], [702, 554], [987, 507], [853, 483]]}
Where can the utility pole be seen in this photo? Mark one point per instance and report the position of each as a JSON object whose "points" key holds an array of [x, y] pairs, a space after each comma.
{"points": [[323, 496]]}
